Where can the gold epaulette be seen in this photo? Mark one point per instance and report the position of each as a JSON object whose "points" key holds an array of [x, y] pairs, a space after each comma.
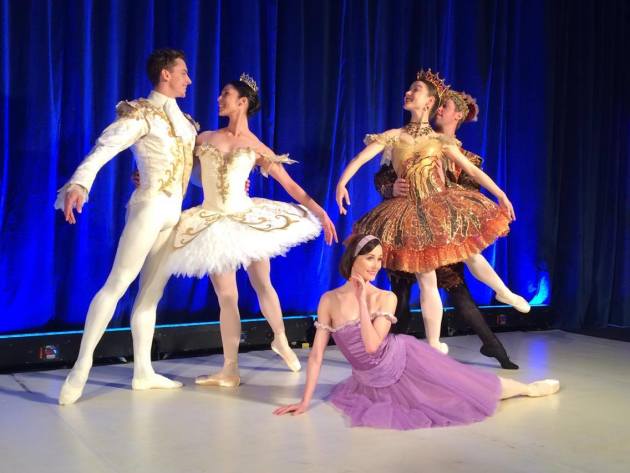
{"points": [[129, 109]]}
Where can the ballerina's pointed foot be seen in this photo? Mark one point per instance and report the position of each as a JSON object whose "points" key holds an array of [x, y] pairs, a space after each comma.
{"points": [[72, 388], [516, 301], [219, 379], [441, 347], [154, 381], [543, 388], [280, 347]]}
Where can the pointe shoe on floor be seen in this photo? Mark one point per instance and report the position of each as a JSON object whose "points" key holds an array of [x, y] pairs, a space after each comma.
{"points": [[72, 388], [284, 351], [223, 381], [154, 381], [516, 301], [543, 388]]}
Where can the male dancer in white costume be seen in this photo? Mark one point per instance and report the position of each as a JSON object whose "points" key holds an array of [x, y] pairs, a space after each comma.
{"points": [[162, 139]]}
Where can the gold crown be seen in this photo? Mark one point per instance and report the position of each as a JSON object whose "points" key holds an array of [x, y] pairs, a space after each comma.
{"points": [[465, 103], [249, 80], [435, 80]]}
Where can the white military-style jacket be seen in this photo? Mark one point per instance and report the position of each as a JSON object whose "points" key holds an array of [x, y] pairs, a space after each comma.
{"points": [[162, 140]]}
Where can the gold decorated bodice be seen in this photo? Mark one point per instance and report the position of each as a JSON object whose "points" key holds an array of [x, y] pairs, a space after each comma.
{"points": [[420, 161], [223, 175]]}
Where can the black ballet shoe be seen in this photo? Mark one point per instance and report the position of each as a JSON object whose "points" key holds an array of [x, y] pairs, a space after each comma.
{"points": [[500, 355]]}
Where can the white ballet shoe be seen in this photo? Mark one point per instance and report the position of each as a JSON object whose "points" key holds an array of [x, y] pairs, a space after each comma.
{"points": [[516, 301], [72, 388], [218, 379], [154, 381], [280, 346], [543, 388]]}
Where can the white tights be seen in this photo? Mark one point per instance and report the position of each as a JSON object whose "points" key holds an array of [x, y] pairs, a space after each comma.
{"points": [[148, 227], [431, 303], [480, 268], [227, 294]]}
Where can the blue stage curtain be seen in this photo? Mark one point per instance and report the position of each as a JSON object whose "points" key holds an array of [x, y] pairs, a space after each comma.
{"points": [[552, 131], [586, 235]]}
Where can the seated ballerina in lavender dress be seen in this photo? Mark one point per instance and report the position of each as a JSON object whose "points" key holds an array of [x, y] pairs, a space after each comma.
{"points": [[397, 381]]}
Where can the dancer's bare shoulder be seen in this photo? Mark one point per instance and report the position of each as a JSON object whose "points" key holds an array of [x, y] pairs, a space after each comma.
{"points": [[326, 297], [324, 315], [259, 147], [335, 298], [392, 133], [386, 300], [339, 292], [205, 136]]}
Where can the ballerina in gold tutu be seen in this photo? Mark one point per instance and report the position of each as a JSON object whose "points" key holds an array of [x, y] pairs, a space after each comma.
{"points": [[436, 224]]}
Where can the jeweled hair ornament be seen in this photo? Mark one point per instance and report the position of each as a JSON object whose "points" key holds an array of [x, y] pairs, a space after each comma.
{"points": [[249, 80]]}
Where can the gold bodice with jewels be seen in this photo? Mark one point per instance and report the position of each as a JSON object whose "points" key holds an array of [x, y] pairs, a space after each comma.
{"points": [[419, 160]]}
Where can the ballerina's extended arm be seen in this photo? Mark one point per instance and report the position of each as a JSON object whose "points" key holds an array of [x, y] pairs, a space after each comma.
{"points": [[277, 171], [315, 359], [341, 193], [454, 153]]}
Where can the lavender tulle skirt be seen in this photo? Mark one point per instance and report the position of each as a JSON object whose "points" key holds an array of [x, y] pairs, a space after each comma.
{"points": [[409, 385]]}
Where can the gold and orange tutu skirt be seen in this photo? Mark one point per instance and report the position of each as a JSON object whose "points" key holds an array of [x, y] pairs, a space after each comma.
{"points": [[441, 229]]}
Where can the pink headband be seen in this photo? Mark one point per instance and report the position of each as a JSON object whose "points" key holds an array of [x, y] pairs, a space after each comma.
{"points": [[364, 241]]}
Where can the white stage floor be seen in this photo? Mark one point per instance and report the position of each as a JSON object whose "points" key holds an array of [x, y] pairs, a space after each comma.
{"points": [[584, 428]]}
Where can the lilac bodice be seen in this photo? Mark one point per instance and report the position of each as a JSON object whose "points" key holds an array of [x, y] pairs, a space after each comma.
{"points": [[379, 369]]}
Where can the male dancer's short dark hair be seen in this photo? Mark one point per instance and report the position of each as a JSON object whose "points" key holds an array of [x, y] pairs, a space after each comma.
{"points": [[162, 59]]}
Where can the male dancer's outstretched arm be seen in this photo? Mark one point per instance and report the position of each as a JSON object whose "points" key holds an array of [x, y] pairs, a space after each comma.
{"points": [[118, 136]]}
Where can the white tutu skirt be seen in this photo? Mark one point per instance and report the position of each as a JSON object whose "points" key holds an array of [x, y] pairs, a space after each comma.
{"points": [[209, 242]]}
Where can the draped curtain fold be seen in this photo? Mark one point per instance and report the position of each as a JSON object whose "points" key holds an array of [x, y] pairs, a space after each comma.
{"points": [[554, 133]]}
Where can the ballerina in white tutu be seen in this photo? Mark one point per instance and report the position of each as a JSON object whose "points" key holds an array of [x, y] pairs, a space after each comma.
{"points": [[231, 230]]}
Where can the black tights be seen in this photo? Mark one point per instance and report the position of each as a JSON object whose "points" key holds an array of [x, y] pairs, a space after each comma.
{"points": [[401, 286]]}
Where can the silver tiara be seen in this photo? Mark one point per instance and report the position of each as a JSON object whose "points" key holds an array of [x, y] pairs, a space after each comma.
{"points": [[249, 81]]}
